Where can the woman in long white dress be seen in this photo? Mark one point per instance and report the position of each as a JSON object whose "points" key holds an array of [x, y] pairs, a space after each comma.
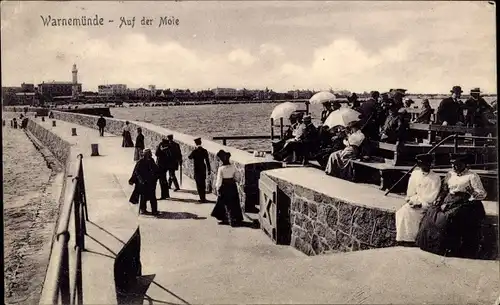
{"points": [[227, 209], [423, 188]]}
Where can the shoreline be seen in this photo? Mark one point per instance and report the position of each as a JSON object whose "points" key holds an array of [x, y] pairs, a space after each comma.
{"points": [[29, 228]]}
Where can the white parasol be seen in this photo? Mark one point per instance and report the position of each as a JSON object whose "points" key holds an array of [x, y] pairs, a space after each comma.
{"points": [[283, 110], [321, 97], [342, 116]]}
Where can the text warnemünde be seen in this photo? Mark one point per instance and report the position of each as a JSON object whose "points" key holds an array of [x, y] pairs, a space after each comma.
{"points": [[81, 21]]}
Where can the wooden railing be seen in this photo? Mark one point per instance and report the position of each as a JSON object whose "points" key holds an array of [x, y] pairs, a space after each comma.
{"points": [[77, 203]]}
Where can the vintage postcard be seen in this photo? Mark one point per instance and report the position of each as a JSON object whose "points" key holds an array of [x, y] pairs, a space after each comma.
{"points": [[250, 152]]}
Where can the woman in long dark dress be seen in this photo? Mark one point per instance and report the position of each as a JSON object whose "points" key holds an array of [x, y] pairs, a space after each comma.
{"points": [[227, 209], [127, 137], [452, 226]]}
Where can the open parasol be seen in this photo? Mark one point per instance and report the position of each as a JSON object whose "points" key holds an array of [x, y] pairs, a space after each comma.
{"points": [[342, 117], [283, 110], [321, 97]]}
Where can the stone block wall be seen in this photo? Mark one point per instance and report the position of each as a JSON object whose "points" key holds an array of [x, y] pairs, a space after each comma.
{"points": [[56, 145], [248, 167], [322, 224]]}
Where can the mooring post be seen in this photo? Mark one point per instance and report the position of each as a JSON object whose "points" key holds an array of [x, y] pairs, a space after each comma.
{"points": [[95, 150], [43, 119], [73, 131], [53, 123], [3, 122]]}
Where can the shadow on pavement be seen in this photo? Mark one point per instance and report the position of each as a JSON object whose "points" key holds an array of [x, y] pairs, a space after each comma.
{"points": [[180, 200], [178, 215], [193, 192], [104, 230]]}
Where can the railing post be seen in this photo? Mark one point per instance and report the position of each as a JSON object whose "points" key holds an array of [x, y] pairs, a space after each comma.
{"points": [[272, 129], [64, 271], [281, 128], [84, 195], [224, 141]]}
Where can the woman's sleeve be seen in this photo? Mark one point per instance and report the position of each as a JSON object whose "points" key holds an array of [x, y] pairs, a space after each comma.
{"points": [[477, 186], [432, 193], [411, 190], [218, 182]]}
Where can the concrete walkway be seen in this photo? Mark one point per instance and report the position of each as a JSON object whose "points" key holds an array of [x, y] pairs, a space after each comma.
{"points": [[195, 260]]}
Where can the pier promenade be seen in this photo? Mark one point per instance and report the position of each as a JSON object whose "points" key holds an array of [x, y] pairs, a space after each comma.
{"points": [[193, 260]]}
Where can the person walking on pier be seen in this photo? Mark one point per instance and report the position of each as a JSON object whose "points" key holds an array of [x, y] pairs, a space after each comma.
{"points": [[174, 162], [139, 145], [201, 168], [162, 159], [227, 209], [144, 177], [423, 188], [101, 123], [127, 137]]}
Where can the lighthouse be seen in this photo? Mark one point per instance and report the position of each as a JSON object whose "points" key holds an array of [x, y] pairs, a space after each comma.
{"points": [[75, 82]]}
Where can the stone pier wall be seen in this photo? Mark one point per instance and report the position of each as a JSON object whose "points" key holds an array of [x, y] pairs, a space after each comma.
{"points": [[322, 224], [248, 167], [56, 145]]}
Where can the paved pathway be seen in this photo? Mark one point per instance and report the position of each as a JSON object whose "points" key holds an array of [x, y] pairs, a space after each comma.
{"points": [[194, 260]]}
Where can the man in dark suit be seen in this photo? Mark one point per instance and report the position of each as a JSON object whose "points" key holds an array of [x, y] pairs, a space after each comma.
{"points": [[163, 159], [174, 162], [449, 111], [101, 123], [201, 168], [477, 108], [144, 177]]}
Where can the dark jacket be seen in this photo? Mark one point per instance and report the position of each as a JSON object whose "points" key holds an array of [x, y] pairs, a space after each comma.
{"points": [[101, 122], [324, 114], [139, 141], [394, 128], [168, 155], [476, 110], [144, 176], [449, 111], [201, 162]]}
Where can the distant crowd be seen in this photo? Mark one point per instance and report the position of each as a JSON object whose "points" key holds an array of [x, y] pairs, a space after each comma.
{"points": [[384, 117]]}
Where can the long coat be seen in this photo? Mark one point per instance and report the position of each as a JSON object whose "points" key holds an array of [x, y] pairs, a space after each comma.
{"points": [[450, 111], [201, 161], [144, 177]]}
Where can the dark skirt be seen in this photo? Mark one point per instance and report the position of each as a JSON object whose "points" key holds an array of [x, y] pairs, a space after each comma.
{"points": [[227, 208], [454, 231], [127, 139]]}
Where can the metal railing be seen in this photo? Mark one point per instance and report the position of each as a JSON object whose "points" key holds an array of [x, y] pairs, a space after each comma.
{"points": [[76, 203], [455, 138]]}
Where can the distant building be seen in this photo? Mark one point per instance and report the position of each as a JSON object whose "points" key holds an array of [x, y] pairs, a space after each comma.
{"points": [[114, 89], [225, 92], [55, 89], [141, 92], [27, 87], [301, 94], [152, 90]]}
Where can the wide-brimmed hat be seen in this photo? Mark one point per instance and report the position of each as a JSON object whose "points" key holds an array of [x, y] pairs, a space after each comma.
{"points": [[475, 91], [327, 103], [221, 154], [146, 150], [466, 158], [374, 93], [353, 124], [456, 89], [336, 104], [424, 159], [307, 118]]}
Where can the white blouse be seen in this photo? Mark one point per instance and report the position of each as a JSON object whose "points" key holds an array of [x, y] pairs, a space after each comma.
{"points": [[467, 182], [423, 188], [355, 138], [225, 172], [126, 128]]}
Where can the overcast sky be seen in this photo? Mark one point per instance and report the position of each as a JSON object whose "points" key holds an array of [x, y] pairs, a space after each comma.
{"points": [[421, 46]]}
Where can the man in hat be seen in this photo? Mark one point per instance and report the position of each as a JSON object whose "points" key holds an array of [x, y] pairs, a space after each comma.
{"points": [[449, 111], [354, 100], [201, 168], [174, 162], [144, 177], [394, 128], [163, 158], [397, 96], [423, 189], [476, 109], [424, 116], [368, 110]]}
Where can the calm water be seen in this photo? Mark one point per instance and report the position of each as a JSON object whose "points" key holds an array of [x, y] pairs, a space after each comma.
{"points": [[208, 121]]}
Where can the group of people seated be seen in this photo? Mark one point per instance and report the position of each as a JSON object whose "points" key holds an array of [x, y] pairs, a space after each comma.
{"points": [[383, 117], [443, 216]]}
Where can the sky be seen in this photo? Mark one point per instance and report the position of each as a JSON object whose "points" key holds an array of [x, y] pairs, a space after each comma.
{"points": [[425, 47]]}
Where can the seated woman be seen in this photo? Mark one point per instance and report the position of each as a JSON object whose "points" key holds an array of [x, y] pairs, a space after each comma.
{"points": [[423, 188], [336, 136], [452, 225], [227, 209], [338, 164], [127, 137], [288, 134]]}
